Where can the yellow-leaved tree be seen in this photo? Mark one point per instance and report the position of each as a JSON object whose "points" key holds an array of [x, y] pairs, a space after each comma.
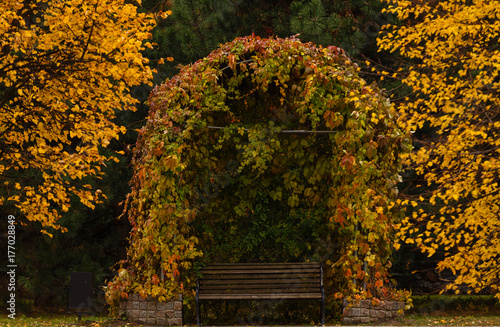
{"points": [[66, 67], [453, 52]]}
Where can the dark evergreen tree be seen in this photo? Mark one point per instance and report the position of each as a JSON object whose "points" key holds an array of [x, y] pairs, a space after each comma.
{"points": [[196, 27]]}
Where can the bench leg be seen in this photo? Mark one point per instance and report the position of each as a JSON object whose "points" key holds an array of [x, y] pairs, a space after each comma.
{"points": [[323, 313], [198, 317], [197, 298]]}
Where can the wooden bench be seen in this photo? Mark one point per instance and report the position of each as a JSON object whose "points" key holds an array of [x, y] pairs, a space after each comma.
{"points": [[261, 281]]}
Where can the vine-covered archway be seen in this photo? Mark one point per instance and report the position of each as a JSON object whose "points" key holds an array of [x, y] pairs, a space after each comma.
{"points": [[264, 129]]}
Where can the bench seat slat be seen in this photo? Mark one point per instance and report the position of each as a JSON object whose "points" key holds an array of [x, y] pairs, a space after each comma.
{"points": [[250, 296], [253, 290], [259, 281], [265, 265], [257, 291], [260, 276]]}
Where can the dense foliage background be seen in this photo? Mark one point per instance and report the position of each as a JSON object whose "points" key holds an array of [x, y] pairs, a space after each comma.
{"points": [[192, 31]]}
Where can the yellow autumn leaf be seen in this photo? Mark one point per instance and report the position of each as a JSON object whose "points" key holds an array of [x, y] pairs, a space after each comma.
{"points": [[64, 102], [453, 81]]}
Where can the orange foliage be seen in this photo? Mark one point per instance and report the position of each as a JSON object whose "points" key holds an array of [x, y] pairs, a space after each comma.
{"points": [[66, 67], [454, 76]]}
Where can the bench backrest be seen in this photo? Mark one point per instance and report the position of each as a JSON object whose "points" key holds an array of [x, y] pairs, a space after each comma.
{"points": [[261, 281]]}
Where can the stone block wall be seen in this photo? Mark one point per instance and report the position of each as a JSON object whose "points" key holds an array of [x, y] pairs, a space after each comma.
{"points": [[151, 312], [363, 311]]}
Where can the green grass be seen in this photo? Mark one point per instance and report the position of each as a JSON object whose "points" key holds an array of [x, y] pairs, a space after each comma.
{"points": [[450, 319], [452, 310], [435, 310], [60, 320], [443, 303], [444, 319]]}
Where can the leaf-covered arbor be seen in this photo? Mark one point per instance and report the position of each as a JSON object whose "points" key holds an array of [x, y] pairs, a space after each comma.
{"points": [[272, 122]]}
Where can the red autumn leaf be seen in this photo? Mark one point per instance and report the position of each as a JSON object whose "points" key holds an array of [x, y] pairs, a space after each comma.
{"points": [[347, 161], [360, 274]]}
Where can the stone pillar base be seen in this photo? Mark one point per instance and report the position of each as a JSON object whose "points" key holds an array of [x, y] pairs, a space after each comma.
{"points": [[364, 312], [151, 312]]}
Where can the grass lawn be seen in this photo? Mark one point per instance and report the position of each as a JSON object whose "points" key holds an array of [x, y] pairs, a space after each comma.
{"points": [[434, 310], [61, 320], [448, 319], [444, 319]]}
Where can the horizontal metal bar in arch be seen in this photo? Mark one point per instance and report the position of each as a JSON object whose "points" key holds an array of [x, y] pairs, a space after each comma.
{"points": [[286, 131], [291, 264]]}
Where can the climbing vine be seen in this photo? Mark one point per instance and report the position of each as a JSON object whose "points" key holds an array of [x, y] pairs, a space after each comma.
{"points": [[259, 129]]}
